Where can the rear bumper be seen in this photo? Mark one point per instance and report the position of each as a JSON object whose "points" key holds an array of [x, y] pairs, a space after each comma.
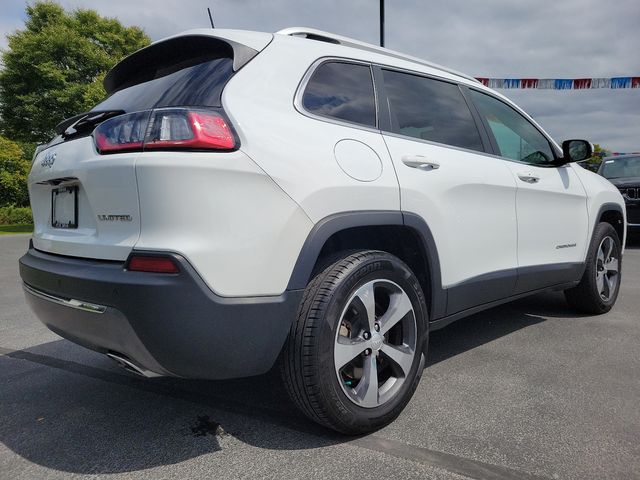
{"points": [[169, 324]]}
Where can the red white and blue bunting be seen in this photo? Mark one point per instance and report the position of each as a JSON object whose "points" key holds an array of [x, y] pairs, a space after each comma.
{"points": [[561, 83]]}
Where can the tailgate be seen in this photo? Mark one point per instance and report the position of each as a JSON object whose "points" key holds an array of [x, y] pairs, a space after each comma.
{"points": [[108, 215]]}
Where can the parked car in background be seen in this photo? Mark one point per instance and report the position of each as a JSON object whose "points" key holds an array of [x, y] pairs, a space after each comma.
{"points": [[624, 172]]}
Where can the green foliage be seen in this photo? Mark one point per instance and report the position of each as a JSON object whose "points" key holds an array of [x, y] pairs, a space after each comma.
{"points": [[11, 215], [53, 69], [596, 159], [14, 168], [8, 229]]}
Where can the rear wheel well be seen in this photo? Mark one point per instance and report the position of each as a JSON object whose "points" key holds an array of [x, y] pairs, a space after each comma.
{"points": [[398, 240], [615, 218]]}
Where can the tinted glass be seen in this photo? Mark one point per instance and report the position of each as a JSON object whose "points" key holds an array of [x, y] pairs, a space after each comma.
{"points": [[196, 85], [517, 138], [431, 110], [343, 91], [621, 167]]}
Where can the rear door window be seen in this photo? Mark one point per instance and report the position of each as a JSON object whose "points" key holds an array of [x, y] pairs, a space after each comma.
{"points": [[343, 91], [430, 109]]}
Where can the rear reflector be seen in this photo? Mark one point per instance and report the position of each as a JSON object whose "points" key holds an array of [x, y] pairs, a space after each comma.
{"points": [[145, 263], [165, 129]]}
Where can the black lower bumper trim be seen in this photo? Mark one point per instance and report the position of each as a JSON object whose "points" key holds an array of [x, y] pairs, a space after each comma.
{"points": [[171, 324]]}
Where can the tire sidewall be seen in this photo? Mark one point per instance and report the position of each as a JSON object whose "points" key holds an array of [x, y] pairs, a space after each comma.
{"points": [[603, 230]]}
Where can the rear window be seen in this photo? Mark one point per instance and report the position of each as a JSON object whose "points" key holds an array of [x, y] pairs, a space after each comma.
{"points": [[181, 72], [343, 91]]}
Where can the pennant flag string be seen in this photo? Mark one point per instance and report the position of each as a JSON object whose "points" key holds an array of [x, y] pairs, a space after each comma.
{"points": [[561, 83]]}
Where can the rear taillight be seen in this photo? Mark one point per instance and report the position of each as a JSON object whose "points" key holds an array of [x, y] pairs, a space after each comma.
{"points": [[165, 129], [152, 264], [122, 133]]}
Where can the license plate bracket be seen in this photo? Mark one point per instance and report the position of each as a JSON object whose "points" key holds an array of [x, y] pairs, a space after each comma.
{"points": [[64, 207]]}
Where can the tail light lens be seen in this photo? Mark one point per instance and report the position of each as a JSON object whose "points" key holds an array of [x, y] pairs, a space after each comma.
{"points": [[122, 133], [165, 129]]}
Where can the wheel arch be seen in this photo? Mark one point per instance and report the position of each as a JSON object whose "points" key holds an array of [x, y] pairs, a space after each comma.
{"points": [[403, 234], [613, 214]]}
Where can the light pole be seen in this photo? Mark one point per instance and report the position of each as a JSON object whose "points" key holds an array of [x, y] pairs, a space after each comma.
{"points": [[382, 23]]}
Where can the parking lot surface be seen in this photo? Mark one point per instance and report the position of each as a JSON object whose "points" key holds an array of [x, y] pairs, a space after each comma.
{"points": [[527, 390]]}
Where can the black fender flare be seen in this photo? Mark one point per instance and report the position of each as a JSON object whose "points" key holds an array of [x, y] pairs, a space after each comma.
{"points": [[335, 223], [607, 207]]}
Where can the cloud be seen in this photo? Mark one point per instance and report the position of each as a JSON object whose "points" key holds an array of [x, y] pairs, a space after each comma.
{"points": [[492, 38]]}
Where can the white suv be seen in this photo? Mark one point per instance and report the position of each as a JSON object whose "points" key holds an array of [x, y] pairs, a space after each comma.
{"points": [[244, 197]]}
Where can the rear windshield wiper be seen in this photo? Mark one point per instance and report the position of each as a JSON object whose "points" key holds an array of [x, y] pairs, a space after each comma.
{"points": [[84, 122]]}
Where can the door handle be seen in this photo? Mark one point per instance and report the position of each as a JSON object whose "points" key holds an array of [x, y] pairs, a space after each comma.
{"points": [[528, 177], [420, 162]]}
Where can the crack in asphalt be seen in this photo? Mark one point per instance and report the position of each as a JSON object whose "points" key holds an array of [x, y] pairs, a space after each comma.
{"points": [[467, 467]]}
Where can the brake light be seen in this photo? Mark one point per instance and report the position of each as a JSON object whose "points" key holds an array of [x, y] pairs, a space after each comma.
{"points": [[165, 129], [151, 264]]}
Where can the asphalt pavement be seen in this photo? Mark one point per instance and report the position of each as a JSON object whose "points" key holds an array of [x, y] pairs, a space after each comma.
{"points": [[529, 390]]}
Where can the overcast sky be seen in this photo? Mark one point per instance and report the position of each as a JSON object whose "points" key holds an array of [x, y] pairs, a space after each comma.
{"points": [[489, 38]]}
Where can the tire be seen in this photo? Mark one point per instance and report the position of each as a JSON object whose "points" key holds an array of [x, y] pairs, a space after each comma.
{"points": [[598, 289], [334, 323]]}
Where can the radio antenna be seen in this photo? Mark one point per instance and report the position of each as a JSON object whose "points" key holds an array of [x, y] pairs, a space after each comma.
{"points": [[210, 17]]}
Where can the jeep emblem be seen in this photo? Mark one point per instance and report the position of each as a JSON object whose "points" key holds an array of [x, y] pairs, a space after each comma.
{"points": [[48, 159]]}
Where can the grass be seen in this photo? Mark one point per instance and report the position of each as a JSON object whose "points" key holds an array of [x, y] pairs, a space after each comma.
{"points": [[23, 228]]}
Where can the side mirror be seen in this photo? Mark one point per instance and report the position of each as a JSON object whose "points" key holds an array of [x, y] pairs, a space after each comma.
{"points": [[576, 150]]}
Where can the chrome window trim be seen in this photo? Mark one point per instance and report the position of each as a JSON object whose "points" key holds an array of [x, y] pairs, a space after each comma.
{"points": [[467, 150], [67, 302], [437, 144]]}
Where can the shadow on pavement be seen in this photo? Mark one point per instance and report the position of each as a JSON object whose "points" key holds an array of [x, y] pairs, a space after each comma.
{"points": [[82, 414]]}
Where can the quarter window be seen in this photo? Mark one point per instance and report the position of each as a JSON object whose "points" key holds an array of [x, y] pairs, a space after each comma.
{"points": [[343, 91], [431, 110], [516, 137]]}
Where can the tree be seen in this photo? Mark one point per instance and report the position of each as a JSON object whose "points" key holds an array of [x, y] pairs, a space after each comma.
{"points": [[14, 169], [53, 69], [598, 154]]}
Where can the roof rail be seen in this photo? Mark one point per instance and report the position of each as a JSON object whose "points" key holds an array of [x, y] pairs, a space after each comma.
{"points": [[313, 34]]}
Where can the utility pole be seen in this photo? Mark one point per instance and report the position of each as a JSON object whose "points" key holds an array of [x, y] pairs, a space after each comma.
{"points": [[382, 23]]}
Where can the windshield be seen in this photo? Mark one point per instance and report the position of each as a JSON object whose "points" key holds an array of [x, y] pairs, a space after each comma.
{"points": [[621, 167]]}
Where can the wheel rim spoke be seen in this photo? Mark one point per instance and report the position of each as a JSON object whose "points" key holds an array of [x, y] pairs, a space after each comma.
{"points": [[609, 248], [610, 285], [607, 268], [402, 356], [367, 389], [346, 352], [399, 308], [600, 283], [367, 297]]}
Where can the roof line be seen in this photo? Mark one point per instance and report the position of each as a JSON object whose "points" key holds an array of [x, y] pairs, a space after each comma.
{"points": [[314, 34]]}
